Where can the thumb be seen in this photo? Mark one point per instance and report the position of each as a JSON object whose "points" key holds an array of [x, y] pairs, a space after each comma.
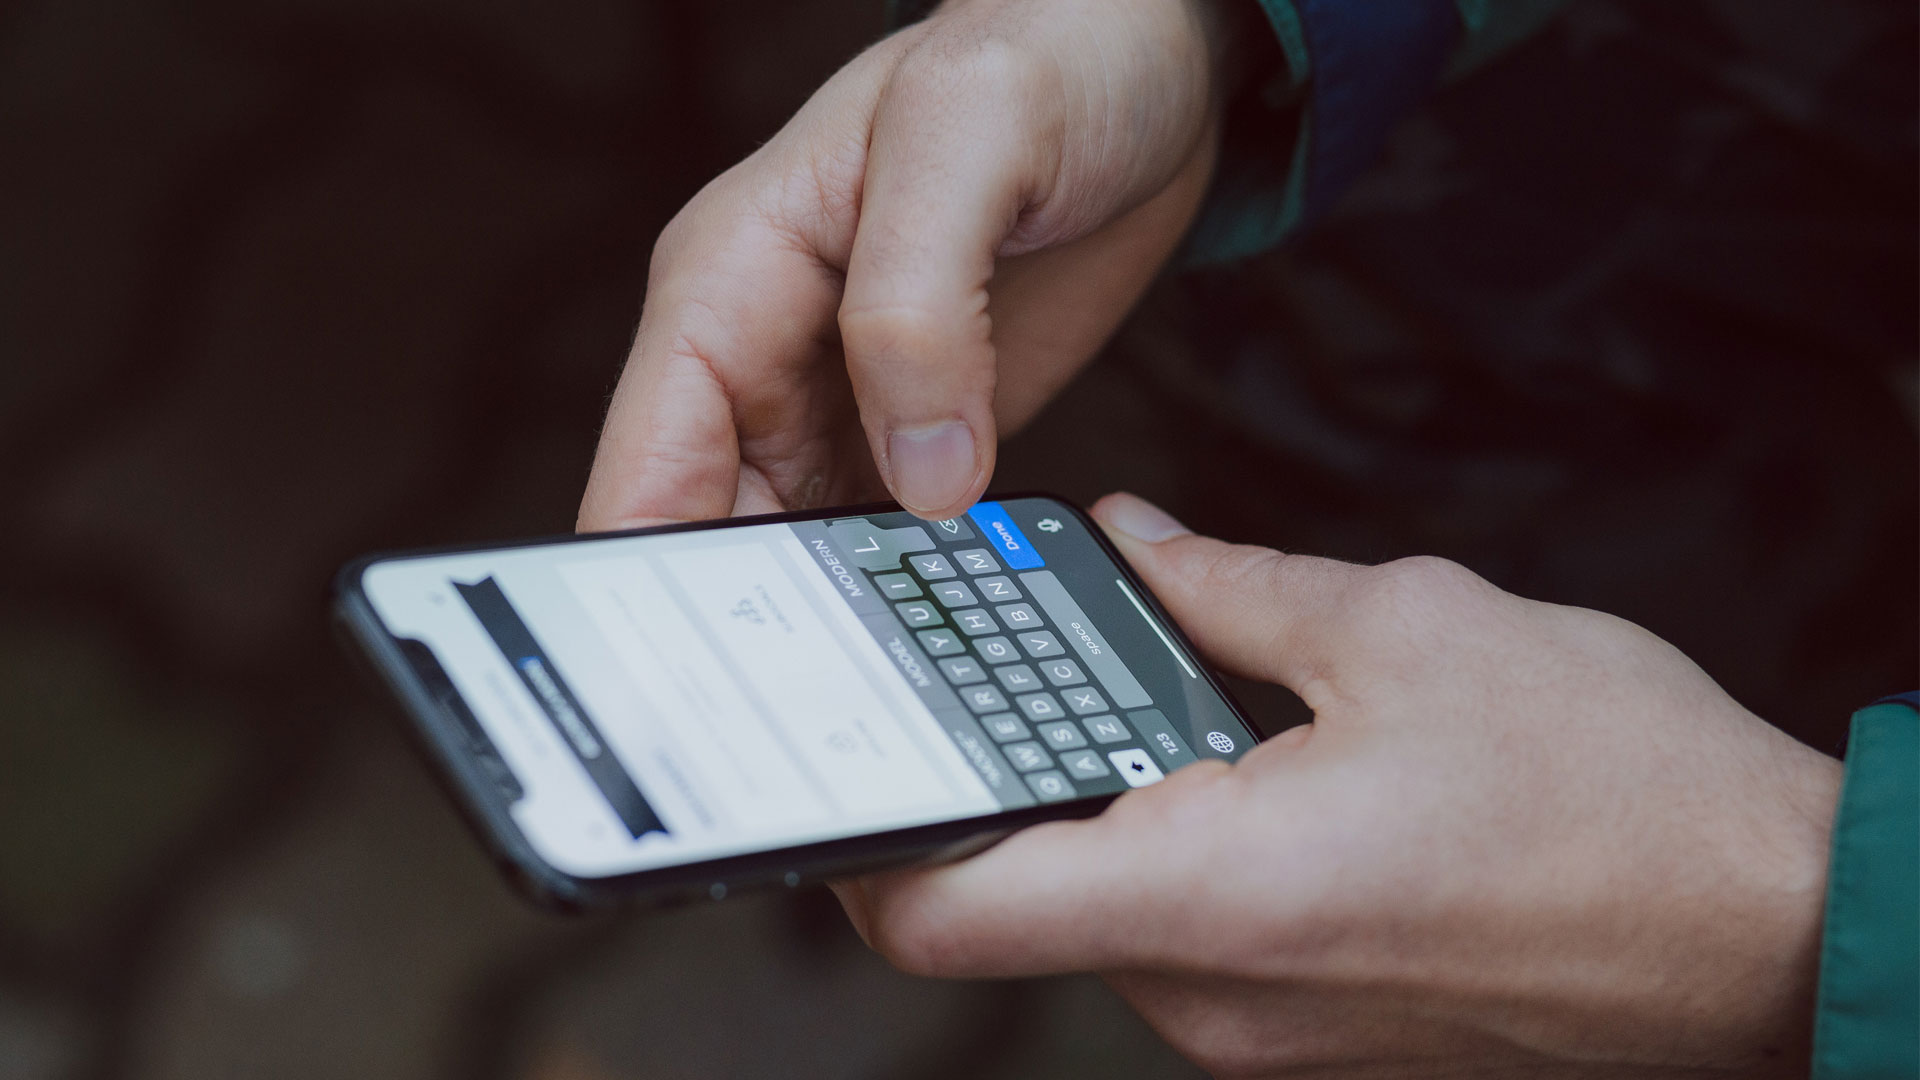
{"points": [[1091, 895], [945, 181], [1253, 611]]}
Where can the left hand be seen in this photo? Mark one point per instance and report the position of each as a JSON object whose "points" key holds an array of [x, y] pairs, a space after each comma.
{"points": [[928, 251]]}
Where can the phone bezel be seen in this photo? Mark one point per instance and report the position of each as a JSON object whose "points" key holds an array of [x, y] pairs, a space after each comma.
{"points": [[437, 735]]}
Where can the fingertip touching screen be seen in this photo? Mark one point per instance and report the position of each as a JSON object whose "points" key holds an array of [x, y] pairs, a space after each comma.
{"points": [[684, 696]]}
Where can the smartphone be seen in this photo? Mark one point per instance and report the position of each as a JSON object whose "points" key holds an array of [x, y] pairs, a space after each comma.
{"points": [[770, 701]]}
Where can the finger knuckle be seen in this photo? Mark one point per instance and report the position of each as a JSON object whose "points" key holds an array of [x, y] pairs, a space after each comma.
{"points": [[886, 342], [1418, 591], [1238, 570], [710, 221], [673, 239], [900, 340], [963, 67], [893, 329], [1432, 573]]}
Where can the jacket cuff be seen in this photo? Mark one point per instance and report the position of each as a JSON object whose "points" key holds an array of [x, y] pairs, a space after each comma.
{"points": [[1867, 1021]]}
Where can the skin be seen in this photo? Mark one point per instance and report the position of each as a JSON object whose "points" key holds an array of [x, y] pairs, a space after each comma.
{"points": [[946, 232], [1516, 837]]}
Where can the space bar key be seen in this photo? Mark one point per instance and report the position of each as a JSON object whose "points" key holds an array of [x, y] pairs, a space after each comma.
{"points": [[1086, 639]]}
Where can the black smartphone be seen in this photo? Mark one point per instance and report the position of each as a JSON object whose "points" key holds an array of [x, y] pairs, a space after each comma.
{"points": [[773, 700]]}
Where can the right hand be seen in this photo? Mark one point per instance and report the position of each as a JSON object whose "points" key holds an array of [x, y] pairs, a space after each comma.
{"points": [[945, 233], [1517, 838]]}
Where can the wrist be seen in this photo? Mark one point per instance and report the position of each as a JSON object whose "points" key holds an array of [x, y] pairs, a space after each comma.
{"points": [[1809, 797], [1772, 913], [1701, 946]]}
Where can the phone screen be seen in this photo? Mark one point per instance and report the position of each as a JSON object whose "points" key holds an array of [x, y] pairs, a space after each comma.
{"points": [[682, 696]]}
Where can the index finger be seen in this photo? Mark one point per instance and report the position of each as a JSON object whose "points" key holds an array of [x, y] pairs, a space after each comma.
{"points": [[668, 451], [731, 297], [1091, 895]]}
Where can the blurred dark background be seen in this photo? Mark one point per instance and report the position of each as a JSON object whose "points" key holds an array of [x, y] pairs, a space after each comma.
{"points": [[1627, 320]]}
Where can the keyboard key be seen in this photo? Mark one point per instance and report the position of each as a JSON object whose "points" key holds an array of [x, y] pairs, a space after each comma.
{"points": [[932, 567], [1018, 679], [918, 613], [975, 621], [1105, 729], [977, 561], [897, 586], [983, 699], [1040, 643], [1062, 735], [953, 529], [1135, 767], [940, 642], [1005, 727], [1050, 786], [1040, 706], [1092, 646], [1018, 616], [996, 650], [874, 548], [1063, 672], [1084, 701], [1083, 765], [1157, 732], [962, 670], [998, 590], [1026, 756], [1006, 539], [954, 594]]}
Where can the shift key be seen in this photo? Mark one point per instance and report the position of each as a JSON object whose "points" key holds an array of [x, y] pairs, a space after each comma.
{"points": [[1078, 630]]}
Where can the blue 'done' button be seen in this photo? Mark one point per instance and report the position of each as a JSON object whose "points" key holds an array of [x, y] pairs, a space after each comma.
{"points": [[1007, 539]]}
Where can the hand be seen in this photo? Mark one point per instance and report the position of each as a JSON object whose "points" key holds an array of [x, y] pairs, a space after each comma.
{"points": [[943, 236], [1515, 835]]}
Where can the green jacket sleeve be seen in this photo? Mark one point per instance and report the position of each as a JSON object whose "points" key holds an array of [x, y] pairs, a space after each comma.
{"points": [[1867, 1022], [1349, 69]]}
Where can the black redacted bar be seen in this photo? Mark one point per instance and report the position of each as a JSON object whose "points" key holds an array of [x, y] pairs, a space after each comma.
{"points": [[556, 699]]}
